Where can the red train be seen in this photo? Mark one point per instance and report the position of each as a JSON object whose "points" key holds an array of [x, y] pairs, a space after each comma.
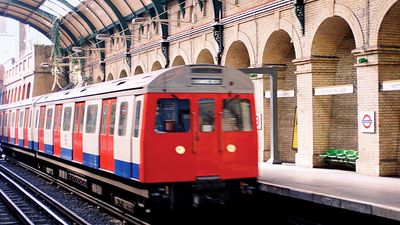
{"points": [[179, 135]]}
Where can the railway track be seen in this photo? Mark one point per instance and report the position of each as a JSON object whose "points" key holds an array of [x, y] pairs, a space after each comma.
{"points": [[32, 206], [124, 217]]}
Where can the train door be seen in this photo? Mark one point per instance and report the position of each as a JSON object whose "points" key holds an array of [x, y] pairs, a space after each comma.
{"points": [[16, 127], [77, 132], [10, 121], [42, 117], [91, 133], [56, 131], [136, 135], [30, 129], [35, 130], [21, 127], [5, 125], [107, 134], [26, 122], [207, 131], [48, 130]]}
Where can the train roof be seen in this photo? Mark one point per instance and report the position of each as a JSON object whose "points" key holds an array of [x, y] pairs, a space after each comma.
{"points": [[187, 78]]}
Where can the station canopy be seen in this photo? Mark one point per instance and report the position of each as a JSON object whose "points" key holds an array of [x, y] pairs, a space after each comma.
{"points": [[78, 20]]}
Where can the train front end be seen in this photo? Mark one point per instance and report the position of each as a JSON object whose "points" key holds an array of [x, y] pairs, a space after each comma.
{"points": [[200, 138]]}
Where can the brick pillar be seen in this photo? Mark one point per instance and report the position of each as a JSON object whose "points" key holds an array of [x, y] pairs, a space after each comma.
{"points": [[379, 152], [314, 112], [259, 101]]}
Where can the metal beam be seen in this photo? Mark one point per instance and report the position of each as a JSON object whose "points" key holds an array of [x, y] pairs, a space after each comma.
{"points": [[272, 71]]}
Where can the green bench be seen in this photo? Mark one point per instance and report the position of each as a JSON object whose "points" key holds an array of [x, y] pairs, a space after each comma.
{"points": [[340, 155]]}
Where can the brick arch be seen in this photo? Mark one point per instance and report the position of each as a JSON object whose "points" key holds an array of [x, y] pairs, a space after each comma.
{"points": [[205, 57], [291, 31], [178, 60], [123, 73], [347, 15], [245, 40], [237, 55], [110, 76], [158, 58], [210, 47], [138, 70], [156, 66], [138, 63], [182, 53], [99, 79], [380, 27], [277, 48]]}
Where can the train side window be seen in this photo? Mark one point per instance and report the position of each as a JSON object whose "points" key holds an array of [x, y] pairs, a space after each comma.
{"points": [[236, 115], [137, 118], [16, 119], [112, 118], [13, 119], [76, 118], [82, 111], [26, 118], [91, 118], [49, 118], [37, 119], [67, 118], [21, 118], [103, 124], [123, 113], [42, 116], [173, 115], [57, 118], [30, 118], [206, 115]]}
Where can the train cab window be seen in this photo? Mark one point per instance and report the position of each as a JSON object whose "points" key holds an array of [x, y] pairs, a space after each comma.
{"points": [[236, 115], [49, 118], [137, 118], [173, 115], [67, 118], [123, 115], [91, 118], [206, 115]]}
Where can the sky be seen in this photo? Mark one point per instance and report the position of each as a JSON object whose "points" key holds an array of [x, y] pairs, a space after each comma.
{"points": [[9, 37]]}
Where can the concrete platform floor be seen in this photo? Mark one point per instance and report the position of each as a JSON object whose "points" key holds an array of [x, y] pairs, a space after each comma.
{"points": [[379, 196]]}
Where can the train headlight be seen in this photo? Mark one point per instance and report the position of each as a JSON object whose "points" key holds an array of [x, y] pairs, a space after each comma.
{"points": [[180, 149], [231, 148]]}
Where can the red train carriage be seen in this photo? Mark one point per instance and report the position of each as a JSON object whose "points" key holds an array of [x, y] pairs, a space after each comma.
{"points": [[178, 133]]}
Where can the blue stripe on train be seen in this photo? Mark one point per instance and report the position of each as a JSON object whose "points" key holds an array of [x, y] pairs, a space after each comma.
{"points": [[21, 142], [48, 149], [126, 169], [30, 144], [91, 160], [66, 153], [12, 141], [5, 138], [36, 146]]}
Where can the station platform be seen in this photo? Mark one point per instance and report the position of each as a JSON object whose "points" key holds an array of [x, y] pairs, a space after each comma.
{"points": [[379, 196]]}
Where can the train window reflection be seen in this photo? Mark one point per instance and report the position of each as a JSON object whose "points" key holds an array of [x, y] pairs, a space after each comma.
{"points": [[112, 118], [173, 115], [206, 115], [236, 115], [123, 113]]}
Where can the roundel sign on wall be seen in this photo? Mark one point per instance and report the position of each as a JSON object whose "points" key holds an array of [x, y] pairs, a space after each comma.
{"points": [[367, 121]]}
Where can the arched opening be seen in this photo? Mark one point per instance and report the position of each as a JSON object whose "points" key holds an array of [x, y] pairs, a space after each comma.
{"points": [[99, 79], [389, 107], [205, 57], [138, 70], [178, 61], [28, 91], [237, 55], [156, 66], [335, 115], [279, 49], [123, 74], [110, 77]]}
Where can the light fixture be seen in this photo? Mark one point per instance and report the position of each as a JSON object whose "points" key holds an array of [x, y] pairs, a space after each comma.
{"points": [[139, 20], [44, 65], [102, 36], [77, 49]]}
